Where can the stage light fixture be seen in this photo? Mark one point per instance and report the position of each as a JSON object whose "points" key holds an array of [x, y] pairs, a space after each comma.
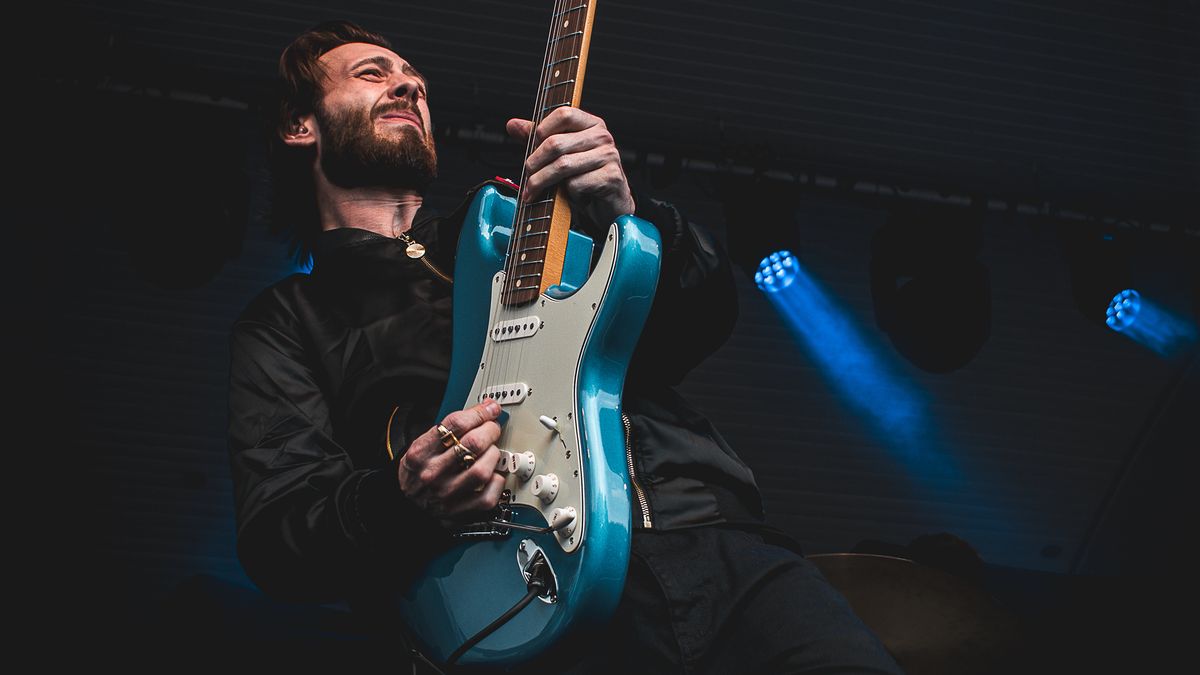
{"points": [[776, 272], [1101, 261], [1123, 310]]}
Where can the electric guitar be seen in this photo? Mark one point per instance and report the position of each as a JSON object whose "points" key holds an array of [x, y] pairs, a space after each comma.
{"points": [[550, 341]]}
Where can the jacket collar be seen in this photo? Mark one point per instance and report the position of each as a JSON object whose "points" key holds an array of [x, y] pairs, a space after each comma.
{"points": [[330, 241]]}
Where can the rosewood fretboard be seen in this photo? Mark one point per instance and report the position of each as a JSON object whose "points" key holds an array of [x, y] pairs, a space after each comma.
{"points": [[538, 248]]}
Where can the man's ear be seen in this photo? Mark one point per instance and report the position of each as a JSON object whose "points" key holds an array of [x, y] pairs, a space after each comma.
{"points": [[300, 132]]}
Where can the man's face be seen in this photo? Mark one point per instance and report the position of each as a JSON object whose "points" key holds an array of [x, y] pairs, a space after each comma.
{"points": [[373, 120]]}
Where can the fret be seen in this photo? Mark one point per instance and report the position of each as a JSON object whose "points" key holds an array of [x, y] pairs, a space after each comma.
{"points": [[565, 59], [573, 9]]}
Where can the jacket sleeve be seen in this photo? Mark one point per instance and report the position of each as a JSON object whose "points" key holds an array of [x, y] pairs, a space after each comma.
{"points": [[695, 305], [311, 526]]}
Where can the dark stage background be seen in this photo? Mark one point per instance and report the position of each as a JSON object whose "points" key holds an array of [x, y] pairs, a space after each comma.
{"points": [[1063, 453]]}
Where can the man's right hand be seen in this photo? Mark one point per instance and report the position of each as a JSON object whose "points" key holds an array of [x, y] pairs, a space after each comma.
{"points": [[434, 478]]}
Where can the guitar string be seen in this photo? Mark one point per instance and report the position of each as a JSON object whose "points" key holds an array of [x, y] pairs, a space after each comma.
{"points": [[493, 351], [558, 28], [523, 222], [539, 207]]}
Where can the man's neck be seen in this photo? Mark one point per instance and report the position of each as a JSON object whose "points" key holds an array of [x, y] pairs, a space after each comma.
{"points": [[385, 211]]}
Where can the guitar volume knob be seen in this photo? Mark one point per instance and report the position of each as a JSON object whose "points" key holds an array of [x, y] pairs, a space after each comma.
{"points": [[521, 464], [545, 487], [502, 466]]}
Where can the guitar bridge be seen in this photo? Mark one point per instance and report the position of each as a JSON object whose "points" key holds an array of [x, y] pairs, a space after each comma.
{"points": [[492, 529]]}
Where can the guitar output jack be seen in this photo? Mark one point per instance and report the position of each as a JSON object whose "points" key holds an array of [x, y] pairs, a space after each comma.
{"points": [[533, 561]]}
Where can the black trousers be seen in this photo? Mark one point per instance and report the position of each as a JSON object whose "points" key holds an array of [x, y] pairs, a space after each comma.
{"points": [[717, 600], [707, 600]]}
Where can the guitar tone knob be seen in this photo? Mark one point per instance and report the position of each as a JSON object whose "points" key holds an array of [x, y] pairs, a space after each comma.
{"points": [[545, 487], [566, 515], [521, 464]]}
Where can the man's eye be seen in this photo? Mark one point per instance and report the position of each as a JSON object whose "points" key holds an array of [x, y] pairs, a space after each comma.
{"points": [[373, 71]]}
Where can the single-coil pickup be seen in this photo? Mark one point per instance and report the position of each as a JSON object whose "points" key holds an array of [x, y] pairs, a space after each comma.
{"points": [[516, 328], [506, 394]]}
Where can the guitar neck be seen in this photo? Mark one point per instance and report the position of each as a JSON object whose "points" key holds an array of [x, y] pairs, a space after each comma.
{"points": [[540, 229]]}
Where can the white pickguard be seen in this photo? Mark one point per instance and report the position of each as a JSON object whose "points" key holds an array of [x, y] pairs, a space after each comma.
{"points": [[548, 363]]}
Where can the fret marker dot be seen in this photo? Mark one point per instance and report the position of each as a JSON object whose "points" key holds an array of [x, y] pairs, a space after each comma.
{"points": [[557, 72], [566, 23], [522, 256], [528, 228], [518, 282]]}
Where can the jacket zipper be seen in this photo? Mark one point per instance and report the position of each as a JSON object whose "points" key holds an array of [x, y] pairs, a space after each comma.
{"points": [[637, 488], [416, 251]]}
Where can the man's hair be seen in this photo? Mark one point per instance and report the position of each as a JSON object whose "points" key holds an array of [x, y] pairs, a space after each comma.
{"points": [[293, 192]]}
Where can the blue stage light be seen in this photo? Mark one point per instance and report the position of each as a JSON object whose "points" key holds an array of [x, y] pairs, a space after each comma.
{"points": [[1123, 310], [1151, 323], [856, 366], [776, 272]]}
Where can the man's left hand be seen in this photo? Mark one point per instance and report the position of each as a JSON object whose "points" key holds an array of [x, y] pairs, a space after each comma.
{"points": [[574, 148]]}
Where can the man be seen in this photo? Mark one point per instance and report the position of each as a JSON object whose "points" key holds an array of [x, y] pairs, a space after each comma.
{"points": [[342, 483]]}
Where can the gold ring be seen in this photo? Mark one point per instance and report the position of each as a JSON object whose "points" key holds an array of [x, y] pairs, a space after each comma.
{"points": [[465, 458], [449, 440]]}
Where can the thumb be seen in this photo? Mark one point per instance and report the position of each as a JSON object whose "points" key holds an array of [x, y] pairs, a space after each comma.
{"points": [[519, 128]]}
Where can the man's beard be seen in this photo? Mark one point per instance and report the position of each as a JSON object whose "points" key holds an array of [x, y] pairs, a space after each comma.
{"points": [[354, 155]]}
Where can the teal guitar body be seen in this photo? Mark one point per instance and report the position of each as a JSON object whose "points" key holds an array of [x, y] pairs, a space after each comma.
{"points": [[557, 365]]}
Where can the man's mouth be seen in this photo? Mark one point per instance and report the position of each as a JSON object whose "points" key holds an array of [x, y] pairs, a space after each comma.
{"points": [[401, 117]]}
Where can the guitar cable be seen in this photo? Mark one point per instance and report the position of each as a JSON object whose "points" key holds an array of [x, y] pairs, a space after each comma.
{"points": [[536, 584]]}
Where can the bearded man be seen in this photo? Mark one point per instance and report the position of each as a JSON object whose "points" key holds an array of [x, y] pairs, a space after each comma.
{"points": [[342, 482]]}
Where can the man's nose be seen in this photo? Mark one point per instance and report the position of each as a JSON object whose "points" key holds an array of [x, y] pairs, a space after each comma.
{"points": [[404, 87]]}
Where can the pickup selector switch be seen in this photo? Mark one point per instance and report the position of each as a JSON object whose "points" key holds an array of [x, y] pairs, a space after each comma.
{"points": [[545, 487]]}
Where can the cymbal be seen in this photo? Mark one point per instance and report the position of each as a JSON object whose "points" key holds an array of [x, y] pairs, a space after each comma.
{"points": [[932, 622]]}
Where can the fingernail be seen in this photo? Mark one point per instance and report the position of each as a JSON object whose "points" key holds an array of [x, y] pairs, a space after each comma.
{"points": [[493, 408]]}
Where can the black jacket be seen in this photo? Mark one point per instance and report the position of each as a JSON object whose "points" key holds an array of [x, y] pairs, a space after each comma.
{"points": [[321, 361]]}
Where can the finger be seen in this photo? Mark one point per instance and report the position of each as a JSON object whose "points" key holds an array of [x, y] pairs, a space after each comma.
{"points": [[486, 499], [519, 128], [607, 182], [431, 477], [467, 483], [459, 423], [568, 166], [443, 474], [566, 143], [427, 462], [482, 437], [564, 120]]}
